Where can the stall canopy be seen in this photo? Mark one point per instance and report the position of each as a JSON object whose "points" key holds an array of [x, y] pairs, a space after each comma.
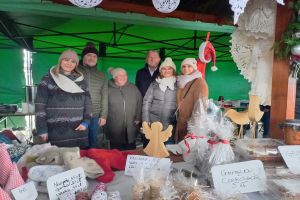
{"points": [[47, 28]]}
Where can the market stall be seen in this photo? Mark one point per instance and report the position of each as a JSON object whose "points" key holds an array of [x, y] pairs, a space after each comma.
{"points": [[209, 163]]}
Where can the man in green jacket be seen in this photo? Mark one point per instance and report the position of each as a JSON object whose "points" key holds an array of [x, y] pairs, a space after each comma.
{"points": [[97, 85]]}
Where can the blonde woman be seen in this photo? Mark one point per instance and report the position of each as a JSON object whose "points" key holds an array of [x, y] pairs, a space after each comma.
{"points": [[63, 104]]}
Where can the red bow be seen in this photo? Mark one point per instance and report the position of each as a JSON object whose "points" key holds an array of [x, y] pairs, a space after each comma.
{"points": [[192, 136]]}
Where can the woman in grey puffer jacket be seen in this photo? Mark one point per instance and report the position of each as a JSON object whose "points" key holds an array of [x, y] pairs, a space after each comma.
{"points": [[159, 103]]}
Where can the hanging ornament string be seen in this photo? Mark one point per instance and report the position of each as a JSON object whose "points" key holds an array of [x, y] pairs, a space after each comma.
{"points": [[165, 6], [86, 3]]}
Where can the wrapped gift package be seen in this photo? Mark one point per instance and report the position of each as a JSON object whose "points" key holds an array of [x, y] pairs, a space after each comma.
{"points": [[265, 149], [284, 188]]}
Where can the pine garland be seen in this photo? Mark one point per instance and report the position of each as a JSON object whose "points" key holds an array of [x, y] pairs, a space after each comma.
{"points": [[283, 47]]}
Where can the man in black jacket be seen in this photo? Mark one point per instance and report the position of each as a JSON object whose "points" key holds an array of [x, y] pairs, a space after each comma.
{"points": [[147, 74]]}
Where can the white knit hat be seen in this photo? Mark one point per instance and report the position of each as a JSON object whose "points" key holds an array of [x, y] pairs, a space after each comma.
{"points": [[168, 62], [190, 61], [115, 71]]}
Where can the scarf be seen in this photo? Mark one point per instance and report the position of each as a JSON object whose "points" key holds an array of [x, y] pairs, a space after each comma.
{"points": [[182, 80], [165, 83], [66, 84]]}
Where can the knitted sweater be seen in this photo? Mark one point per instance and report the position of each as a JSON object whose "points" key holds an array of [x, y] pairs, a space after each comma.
{"points": [[97, 84], [61, 105]]}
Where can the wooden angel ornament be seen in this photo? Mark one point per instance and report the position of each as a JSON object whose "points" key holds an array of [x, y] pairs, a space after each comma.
{"points": [[157, 137]]}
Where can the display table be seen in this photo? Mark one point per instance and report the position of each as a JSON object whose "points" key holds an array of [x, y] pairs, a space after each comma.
{"points": [[124, 184]]}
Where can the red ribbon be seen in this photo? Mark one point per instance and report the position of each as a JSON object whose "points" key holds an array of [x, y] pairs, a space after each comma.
{"points": [[225, 141], [213, 142], [192, 136]]}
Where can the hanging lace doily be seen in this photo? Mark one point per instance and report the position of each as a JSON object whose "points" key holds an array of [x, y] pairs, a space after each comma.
{"points": [[238, 7], [165, 6], [86, 3], [254, 58], [259, 18], [251, 46], [241, 52]]}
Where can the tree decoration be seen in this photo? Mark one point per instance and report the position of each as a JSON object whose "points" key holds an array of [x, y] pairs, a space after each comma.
{"points": [[290, 39], [207, 53], [86, 3], [157, 137], [165, 6]]}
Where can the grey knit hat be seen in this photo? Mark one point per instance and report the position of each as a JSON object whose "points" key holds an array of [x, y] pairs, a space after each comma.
{"points": [[69, 54]]}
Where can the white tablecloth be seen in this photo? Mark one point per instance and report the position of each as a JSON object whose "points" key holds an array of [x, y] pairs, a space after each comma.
{"points": [[124, 184]]}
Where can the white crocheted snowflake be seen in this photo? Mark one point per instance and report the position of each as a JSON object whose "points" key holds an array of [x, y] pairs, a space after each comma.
{"points": [[86, 3], [165, 6]]}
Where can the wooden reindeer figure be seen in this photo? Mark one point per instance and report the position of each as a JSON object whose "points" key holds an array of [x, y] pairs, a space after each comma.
{"points": [[157, 137]]}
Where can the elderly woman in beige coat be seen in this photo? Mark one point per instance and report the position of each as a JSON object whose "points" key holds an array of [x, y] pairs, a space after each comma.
{"points": [[124, 111], [191, 87]]}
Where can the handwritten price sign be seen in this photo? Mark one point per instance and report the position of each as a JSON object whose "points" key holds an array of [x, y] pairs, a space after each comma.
{"points": [[134, 162], [25, 192], [291, 156], [242, 177], [69, 181]]}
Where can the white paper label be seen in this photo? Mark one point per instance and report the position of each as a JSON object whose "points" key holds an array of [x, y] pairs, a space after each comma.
{"points": [[25, 192], [70, 181], [134, 162], [242, 177], [291, 156]]}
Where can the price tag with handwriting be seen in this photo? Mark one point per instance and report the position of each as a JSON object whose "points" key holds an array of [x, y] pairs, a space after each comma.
{"points": [[69, 181], [291, 156], [134, 162], [25, 192], [242, 177]]}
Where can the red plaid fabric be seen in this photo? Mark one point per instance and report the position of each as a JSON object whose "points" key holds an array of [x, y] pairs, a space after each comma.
{"points": [[15, 180], [4, 195], [5, 165]]}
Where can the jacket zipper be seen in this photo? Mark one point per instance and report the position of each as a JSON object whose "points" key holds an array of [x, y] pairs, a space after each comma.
{"points": [[125, 117]]}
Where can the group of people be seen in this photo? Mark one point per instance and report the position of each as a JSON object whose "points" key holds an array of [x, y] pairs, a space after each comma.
{"points": [[75, 99]]}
